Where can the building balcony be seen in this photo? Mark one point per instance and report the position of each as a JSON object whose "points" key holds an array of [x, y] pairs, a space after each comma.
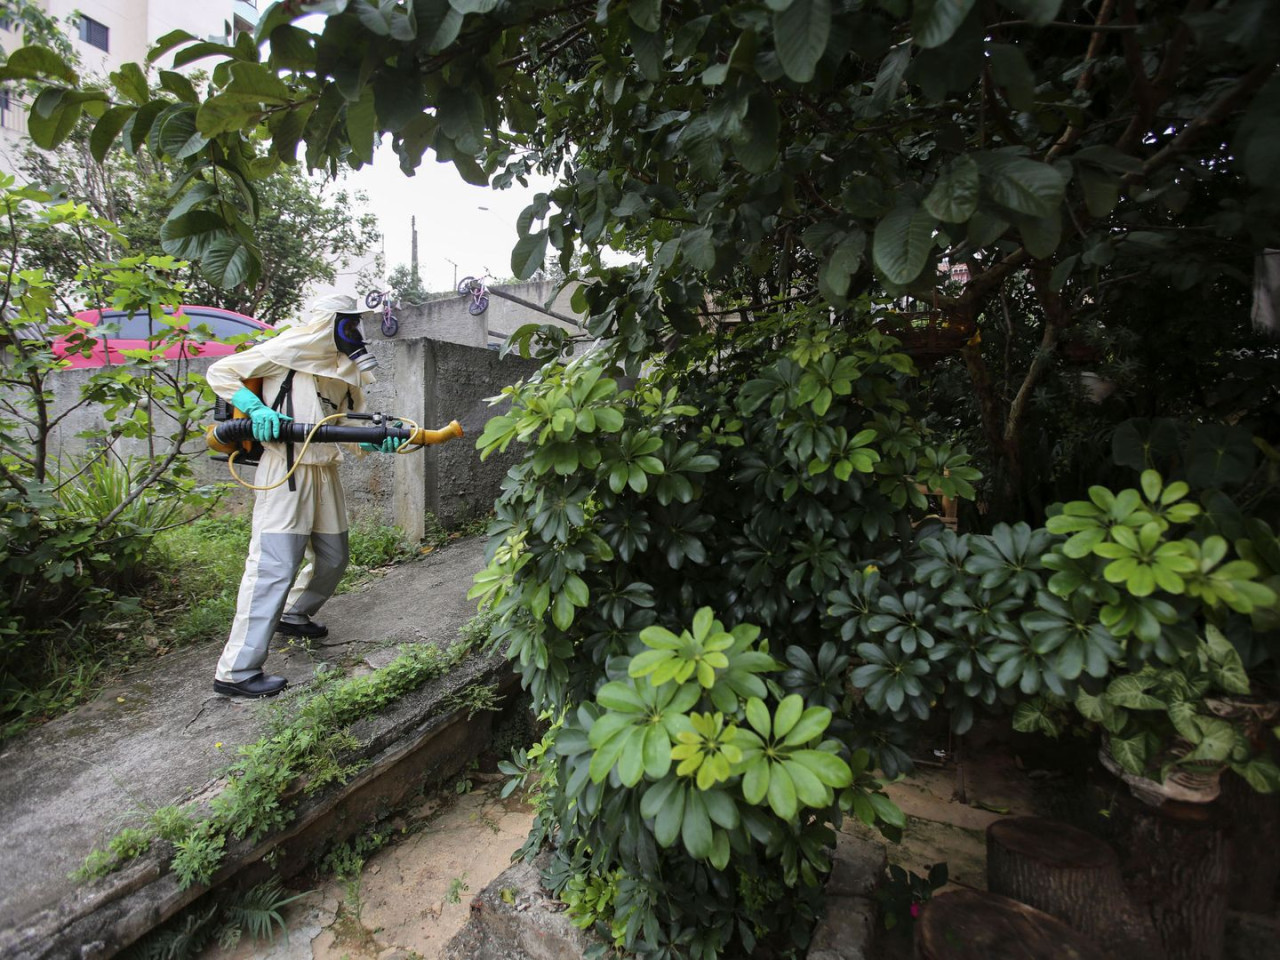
{"points": [[13, 112], [246, 10]]}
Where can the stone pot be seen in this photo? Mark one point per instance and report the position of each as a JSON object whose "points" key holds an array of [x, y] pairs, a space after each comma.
{"points": [[1199, 784]]}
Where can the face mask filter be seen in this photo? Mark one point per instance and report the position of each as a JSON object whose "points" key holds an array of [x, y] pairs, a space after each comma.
{"points": [[349, 339]]}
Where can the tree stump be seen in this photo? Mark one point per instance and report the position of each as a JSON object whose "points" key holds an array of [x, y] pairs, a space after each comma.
{"points": [[970, 925], [1072, 875], [1254, 878], [1176, 863]]}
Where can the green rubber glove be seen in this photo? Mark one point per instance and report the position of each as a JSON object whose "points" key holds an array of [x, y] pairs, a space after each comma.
{"points": [[266, 422], [388, 445]]}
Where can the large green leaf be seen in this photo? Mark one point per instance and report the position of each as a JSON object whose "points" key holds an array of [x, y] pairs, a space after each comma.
{"points": [[190, 235], [229, 262], [1011, 72], [461, 116], [1021, 184], [173, 38], [222, 114], [36, 62], [439, 22], [1257, 141], [48, 132], [889, 76], [292, 47], [646, 14], [954, 196], [256, 83], [933, 22], [1130, 752], [757, 146], [132, 83], [800, 33], [107, 129], [362, 126], [529, 253], [1041, 235], [838, 269], [175, 135], [902, 242], [138, 127]]}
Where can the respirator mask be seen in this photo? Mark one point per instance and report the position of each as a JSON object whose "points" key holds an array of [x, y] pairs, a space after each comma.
{"points": [[349, 339]]}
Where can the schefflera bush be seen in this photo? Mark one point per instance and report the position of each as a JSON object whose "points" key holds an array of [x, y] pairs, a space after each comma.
{"points": [[660, 567]]}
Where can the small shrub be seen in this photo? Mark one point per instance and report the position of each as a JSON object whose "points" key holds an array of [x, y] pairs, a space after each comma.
{"points": [[129, 843], [97, 864], [198, 856], [171, 823], [376, 545]]}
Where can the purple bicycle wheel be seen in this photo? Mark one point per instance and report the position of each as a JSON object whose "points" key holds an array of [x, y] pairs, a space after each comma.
{"points": [[478, 306]]}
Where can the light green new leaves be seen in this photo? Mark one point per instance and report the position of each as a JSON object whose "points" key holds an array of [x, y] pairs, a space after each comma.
{"points": [[636, 731], [707, 750], [778, 763], [679, 658]]}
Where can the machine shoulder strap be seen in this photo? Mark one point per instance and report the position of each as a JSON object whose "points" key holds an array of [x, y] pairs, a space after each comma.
{"points": [[284, 399]]}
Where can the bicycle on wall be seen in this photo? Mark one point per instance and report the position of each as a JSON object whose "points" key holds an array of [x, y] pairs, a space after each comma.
{"points": [[474, 288], [383, 298]]}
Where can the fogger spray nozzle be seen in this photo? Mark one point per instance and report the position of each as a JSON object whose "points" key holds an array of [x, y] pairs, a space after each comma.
{"points": [[226, 437]]}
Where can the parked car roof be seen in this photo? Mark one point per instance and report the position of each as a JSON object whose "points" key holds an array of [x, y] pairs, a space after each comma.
{"points": [[115, 331]]}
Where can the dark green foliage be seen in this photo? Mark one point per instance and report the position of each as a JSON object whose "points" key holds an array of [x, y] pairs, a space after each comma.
{"points": [[218, 919], [75, 536], [679, 753]]}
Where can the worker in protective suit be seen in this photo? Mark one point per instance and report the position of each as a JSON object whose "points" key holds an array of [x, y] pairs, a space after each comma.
{"points": [[308, 372]]}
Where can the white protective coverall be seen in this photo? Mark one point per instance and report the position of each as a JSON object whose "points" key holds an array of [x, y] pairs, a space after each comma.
{"points": [[312, 517]]}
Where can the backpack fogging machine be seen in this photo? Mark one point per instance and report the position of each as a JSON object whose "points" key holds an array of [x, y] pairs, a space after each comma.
{"points": [[230, 437]]}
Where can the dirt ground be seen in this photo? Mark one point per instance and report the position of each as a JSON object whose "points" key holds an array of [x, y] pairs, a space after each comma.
{"points": [[413, 895]]}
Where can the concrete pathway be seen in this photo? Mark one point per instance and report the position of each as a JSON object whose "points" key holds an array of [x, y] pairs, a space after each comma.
{"points": [[161, 736]]}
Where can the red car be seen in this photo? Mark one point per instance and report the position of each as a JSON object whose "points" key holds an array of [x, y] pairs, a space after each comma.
{"points": [[116, 330]]}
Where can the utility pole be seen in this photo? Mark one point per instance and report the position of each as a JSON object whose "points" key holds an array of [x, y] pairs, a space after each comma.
{"points": [[413, 256]]}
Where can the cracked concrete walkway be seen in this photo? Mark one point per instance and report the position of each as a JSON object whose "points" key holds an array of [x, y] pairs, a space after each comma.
{"points": [[161, 736]]}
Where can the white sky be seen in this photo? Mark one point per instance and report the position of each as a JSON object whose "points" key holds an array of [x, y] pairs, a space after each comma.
{"points": [[452, 226]]}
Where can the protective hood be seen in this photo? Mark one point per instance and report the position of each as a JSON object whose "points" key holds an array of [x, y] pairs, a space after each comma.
{"points": [[312, 348]]}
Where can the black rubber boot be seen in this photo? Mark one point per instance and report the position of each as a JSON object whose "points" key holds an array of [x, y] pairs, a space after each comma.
{"points": [[261, 685], [311, 629]]}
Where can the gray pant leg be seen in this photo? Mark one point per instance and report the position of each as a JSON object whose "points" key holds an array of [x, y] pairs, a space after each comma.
{"points": [[331, 555], [263, 592]]}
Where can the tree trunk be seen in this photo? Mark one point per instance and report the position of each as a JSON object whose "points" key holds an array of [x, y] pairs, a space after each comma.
{"points": [[1072, 875], [970, 925], [1253, 878], [1177, 865]]}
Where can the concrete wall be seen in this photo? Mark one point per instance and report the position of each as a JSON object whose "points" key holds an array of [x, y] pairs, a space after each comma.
{"points": [[447, 320]]}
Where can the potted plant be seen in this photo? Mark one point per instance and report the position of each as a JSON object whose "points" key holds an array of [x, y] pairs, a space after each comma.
{"points": [[1181, 706]]}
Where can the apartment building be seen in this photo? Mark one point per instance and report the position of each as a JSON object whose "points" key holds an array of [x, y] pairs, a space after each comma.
{"points": [[109, 33]]}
